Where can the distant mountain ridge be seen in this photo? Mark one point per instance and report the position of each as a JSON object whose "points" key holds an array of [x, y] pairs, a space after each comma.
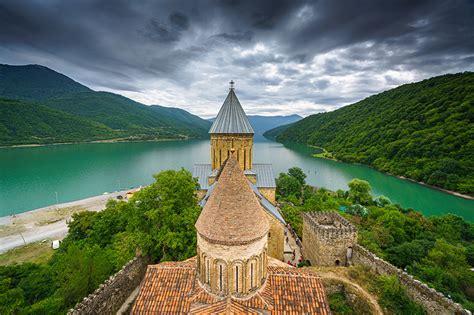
{"points": [[423, 131], [36, 83], [121, 117], [261, 124]]}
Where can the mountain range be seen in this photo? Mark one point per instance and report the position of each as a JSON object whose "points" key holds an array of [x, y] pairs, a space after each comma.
{"points": [[423, 131], [39, 105]]}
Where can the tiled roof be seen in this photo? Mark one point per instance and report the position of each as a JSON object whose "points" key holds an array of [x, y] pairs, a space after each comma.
{"points": [[232, 215], [162, 290], [262, 168], [172, 288], [231, 117], [264, 172]]}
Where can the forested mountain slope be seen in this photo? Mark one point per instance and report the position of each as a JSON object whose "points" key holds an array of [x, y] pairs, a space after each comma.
{"points": [[24, 122], [125, 118], [423, 130], [35, 83]]}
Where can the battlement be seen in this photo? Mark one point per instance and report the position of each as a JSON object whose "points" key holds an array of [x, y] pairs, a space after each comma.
{"points": [[328, 238], [328, 225]]}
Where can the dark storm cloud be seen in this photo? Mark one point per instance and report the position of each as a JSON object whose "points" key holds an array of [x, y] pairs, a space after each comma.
{"points": [[238, 36], [286, 56], [169, 31]]}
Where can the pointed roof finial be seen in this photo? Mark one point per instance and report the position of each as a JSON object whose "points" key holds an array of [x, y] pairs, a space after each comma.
{"points": [[231, 84]]}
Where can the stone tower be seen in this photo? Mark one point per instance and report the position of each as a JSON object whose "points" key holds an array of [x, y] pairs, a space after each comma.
{"points": [[328, 239], [232, 236], [231, 130]]}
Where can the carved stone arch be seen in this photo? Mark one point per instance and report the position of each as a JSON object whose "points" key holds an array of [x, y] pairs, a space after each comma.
{"points": [[207, 264], [198, 260], [252, 273], [264, 263], [238, 277], [221, 276]]}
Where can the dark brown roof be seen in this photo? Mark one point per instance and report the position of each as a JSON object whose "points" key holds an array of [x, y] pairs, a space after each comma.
{"points": [[232, 215], [172, 288]]}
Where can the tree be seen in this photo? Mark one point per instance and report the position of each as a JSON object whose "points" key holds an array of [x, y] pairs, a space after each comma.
{"points": [[288, 185], [297, 173], [80, 270], [382, 201], [359, 191], [163, 216], [393, 296], [408, 253], [358, 210]]}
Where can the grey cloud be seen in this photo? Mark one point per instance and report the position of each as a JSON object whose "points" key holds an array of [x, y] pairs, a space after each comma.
{"points": [[347, 49], [238, 36], [169, 31]]}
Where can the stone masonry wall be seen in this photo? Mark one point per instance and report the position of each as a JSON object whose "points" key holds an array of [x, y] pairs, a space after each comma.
{"points": [[327, 245], [110, 295], [276, 241], [431, 300]]}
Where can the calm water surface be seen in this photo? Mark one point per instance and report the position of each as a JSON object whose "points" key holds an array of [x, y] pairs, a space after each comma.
{"points": [[29, 177]]}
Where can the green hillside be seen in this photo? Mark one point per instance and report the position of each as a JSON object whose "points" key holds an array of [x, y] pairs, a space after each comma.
{"points": [[121, 113], [424, 131], [124, 118], [35, 83], [273, 133], [30, 123]]}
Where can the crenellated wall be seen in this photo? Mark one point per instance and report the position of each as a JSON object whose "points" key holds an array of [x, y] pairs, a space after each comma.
{"points": [[431, 300], [110, 295], [327, 237]]}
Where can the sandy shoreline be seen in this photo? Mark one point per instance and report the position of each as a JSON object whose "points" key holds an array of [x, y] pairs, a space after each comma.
{"points": [[46, 223]]}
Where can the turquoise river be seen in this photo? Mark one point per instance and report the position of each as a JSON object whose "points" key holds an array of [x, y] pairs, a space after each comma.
{"points": [[32, 177]]}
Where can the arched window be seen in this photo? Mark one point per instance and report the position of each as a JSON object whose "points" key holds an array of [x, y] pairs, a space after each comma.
{"points": [[208, 272], [236, 278], [252, 272], [221, 280], [245, 159]]}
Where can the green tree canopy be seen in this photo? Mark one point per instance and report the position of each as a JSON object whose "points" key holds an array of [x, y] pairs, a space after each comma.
{"points": [[359, 191]]}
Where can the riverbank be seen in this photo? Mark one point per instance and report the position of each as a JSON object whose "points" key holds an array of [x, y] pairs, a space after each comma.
{"points": [[329, 156], [117, 140], [47, 223]]}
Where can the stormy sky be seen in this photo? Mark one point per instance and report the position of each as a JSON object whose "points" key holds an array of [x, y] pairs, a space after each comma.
{"points": [[286, 57]]}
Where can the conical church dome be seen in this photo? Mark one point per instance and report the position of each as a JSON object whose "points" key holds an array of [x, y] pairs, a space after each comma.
{"points": [[232, 215], [231, 117]]}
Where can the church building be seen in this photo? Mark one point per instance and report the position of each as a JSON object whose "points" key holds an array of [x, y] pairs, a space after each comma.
{"points": [[233, 271], [232, 131]]}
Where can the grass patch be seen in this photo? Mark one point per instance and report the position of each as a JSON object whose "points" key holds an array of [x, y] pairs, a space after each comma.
{"points": [[338, 304], [324, 154], [35, 252]]}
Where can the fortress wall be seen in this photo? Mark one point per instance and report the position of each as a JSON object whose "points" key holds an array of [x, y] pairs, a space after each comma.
{"points": [[432, 301], [327, 245], [110, 295]]}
